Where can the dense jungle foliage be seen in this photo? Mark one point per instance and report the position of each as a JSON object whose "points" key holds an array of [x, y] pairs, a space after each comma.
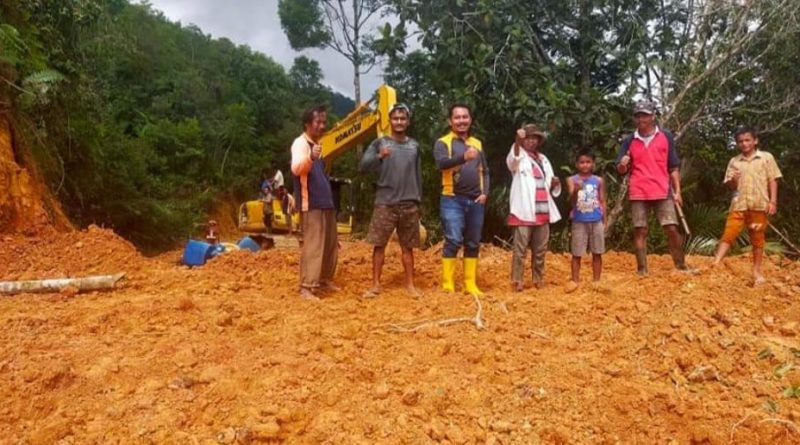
{"points": [[139, 123]]}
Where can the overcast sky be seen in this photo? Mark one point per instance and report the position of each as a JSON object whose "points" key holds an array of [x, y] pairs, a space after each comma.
{"points": [[255, 23]]}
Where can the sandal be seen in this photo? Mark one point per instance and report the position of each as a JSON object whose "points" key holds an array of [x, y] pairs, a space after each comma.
{"points": [[371, 293]]}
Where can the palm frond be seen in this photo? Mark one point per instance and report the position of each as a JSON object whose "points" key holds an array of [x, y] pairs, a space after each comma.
{"points": [[706, 220], [11, 45], [770, 248], [701, 245]]}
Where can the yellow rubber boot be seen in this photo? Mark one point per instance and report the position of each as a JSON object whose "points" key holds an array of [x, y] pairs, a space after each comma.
{"points": [[470, 276], [448, 274]]}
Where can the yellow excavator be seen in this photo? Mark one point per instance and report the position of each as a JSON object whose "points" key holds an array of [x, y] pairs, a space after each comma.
{"points": [[368, 121]]}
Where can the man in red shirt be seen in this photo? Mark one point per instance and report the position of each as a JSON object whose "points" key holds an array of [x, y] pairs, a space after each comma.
{"points": [[649, 155]]}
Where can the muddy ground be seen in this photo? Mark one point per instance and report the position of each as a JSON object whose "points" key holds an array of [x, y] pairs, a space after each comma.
{"points": [[227, 353]]}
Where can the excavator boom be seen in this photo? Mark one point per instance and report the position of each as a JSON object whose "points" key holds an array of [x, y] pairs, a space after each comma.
{"points": [[360, 126]]}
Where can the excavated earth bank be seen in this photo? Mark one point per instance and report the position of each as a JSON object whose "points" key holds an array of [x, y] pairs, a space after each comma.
{"points": [[227, 353]]}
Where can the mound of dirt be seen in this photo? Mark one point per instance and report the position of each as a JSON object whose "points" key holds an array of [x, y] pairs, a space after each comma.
{"points": [[94, 251], [224, 211], [228, 354]]}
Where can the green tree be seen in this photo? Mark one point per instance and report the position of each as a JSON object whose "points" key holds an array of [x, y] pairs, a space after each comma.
{"points": [[577, 66], [306, 76], [136, 122], [335, 24]]}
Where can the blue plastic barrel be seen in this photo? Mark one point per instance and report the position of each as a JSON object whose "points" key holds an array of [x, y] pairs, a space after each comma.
{"points": [[249, 244], [196, 253]]}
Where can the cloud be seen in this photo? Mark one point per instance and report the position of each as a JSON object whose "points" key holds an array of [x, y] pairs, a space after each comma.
{"points": [[255, 23]]}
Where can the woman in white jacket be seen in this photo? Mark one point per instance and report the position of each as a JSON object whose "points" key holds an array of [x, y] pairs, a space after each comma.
{"points": [[532, 207]]}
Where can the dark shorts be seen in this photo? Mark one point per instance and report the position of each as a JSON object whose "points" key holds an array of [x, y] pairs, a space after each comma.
{"points": [[385, 219], [663, 208]]}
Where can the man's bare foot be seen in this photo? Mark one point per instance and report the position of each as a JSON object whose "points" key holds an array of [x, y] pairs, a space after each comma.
{"points": [[758, 280], [372, 292], [414, 292], [518, 287], [307, 294], [683, 268], [538, 284], [329, 287], [571, 287]]}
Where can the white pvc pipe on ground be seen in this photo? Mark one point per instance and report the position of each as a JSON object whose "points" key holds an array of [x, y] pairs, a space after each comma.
{"points": [[99, 282]]}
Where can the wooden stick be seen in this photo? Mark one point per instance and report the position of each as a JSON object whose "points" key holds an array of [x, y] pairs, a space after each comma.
{"points": [[413, 326], [619, 202], [784, 238], [683, 220], [736, 425], [504, 243], [788, 424]]}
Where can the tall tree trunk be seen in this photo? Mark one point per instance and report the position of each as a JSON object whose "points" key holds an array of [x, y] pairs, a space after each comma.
{"points": [[585, 41], [357, 55], [357, 83]]}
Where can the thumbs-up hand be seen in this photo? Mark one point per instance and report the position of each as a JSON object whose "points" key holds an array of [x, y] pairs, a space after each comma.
{"points": [[316, 151], [520, 135]]}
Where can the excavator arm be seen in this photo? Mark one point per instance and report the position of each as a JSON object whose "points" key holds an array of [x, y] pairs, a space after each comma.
{"points": [[360, 126], [368, 121]]}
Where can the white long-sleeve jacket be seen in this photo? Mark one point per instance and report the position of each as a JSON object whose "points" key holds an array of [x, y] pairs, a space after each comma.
{"points": [[523, 186]]}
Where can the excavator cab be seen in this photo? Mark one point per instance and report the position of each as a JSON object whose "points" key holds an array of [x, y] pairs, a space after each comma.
{"points": [[251, 220]]}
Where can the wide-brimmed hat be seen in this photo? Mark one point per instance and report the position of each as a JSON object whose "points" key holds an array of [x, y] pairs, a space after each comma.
{"points": [[644, 106], [533, 130]]}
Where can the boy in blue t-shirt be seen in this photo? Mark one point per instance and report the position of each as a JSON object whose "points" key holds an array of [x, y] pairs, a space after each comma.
{"points": [[587, 194]]}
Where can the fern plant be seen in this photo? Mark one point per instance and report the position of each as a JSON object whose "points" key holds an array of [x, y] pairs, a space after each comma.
{"points": [[38, 86], [11, 45]]}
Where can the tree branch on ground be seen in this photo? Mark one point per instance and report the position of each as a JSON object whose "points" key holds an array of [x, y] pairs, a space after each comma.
{"points": [[413, 326]]}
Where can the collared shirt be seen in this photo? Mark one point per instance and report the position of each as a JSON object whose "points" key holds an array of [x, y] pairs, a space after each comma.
{"points": [[652, 159], [752, 192], [646, 139], [459, 176]]}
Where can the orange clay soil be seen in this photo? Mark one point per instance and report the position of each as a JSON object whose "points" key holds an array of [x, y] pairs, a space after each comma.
{"points": [[26, 205], [227, 353]]}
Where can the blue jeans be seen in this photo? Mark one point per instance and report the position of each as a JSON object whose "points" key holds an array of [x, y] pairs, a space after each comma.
{"points": [[462, 222]]}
